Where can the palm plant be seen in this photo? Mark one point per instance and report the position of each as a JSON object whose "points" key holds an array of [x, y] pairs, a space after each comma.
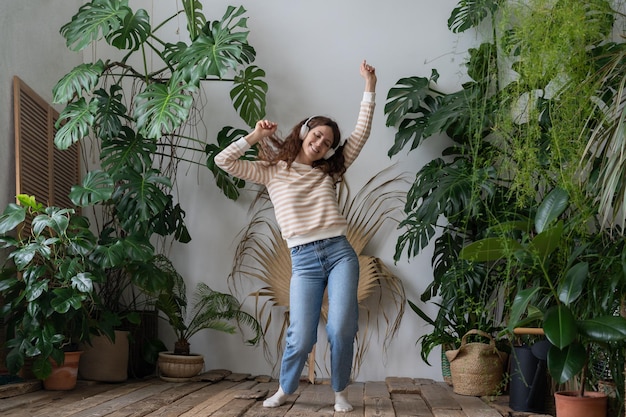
{"points": [[209, 310], [263, 255]]}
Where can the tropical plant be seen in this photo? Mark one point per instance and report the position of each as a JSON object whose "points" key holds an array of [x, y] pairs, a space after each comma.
{"points": [[209, 310], [561, 257], [47, 284], [541, 89], [457, 195], [263, 255], [141, 116]]}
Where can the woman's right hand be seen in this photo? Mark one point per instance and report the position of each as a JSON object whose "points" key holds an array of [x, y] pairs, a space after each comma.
{"points": [[262, 129]]}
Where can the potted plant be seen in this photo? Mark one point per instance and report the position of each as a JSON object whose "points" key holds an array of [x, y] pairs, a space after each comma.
{"points": [[454, 199], [47, 284], [573, 315], [209, 310], [542, 97], [139, 118]]}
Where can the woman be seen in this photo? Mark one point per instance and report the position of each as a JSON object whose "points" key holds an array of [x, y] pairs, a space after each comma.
{"points": [[300, 174]]}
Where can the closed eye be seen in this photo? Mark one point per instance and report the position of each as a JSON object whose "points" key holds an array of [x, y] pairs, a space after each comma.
{"points": [[327, 143]]}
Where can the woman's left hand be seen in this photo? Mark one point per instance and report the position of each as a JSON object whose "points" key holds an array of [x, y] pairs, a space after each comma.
{"points": [[369, 73]]}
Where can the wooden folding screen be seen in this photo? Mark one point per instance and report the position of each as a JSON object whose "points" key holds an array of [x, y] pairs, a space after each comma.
{"points": [[41, 169]]}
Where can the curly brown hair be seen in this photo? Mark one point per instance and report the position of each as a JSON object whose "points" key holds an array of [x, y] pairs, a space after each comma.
{"points": [[272, 149]]}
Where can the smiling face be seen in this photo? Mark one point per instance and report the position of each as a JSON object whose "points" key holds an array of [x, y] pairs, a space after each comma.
{"points": [[315, 144]]}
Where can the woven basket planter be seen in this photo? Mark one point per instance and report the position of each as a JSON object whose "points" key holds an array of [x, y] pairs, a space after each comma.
{"points": [[477, 368]]}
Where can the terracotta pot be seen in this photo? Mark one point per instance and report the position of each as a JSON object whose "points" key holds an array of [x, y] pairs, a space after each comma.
{"points": [[569, 404], [63, 377], [104, 360], [179, 367]]}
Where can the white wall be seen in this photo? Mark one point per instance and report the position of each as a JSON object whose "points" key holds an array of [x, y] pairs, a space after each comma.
{"points": [[32, 49], [311, 52]]}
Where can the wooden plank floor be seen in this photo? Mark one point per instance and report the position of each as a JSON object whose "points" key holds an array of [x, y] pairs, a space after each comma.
{"points": [[223, 394]]}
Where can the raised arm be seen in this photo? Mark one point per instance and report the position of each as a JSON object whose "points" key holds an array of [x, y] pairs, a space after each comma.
{"points": [[361, 131]]}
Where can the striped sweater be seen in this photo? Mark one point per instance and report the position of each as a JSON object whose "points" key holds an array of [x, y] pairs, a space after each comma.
{"points": [[304, 198]]}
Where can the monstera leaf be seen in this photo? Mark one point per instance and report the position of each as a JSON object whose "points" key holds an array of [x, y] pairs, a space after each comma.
{"points": [[229, 185], [220, 47], [248, 94], [162, 108], [127, 149], [94, 20], [470, 13], [133, 32], [82, 78], [75, 122]]}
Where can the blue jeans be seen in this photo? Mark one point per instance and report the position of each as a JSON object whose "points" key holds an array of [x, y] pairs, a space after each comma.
{"points": [[317, 265]]}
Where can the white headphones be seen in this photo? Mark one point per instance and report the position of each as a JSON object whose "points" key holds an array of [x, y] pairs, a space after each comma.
{"points": [[304, 130]]}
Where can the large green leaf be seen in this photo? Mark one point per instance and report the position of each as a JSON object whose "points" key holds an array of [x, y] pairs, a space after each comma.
{"points": [[83, 282], [162, 108], [171, 221], [406, 96], [55, 219], [442, 189], [96, 187], [24, 255], [490, 249], [93, 19], [134, 31], [217, 50], [551, 208], [13, 215], [248, 94], [66, 299], [604, 328], [229, 185], [36, 289], [127, 150], [150, 277], [140, 197], [559, 326], [75, 122], [132, 248], [455, 114], [195, 18], [565, 364], [571, 287], [547, 241], [111, 112], [82, 78], [470, 13]]}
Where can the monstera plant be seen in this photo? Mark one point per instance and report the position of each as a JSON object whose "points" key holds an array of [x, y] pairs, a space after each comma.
{"points": [[136, 105]]}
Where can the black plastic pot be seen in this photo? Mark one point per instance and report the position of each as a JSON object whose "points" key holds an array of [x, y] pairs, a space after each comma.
{"points": [[528, 385]]}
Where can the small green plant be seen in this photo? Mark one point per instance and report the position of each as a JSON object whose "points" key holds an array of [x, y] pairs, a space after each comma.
{"points": [[210, 309]]}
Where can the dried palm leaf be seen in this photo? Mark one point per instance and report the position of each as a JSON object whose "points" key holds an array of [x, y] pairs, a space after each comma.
{"points": [[262, 254]]}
